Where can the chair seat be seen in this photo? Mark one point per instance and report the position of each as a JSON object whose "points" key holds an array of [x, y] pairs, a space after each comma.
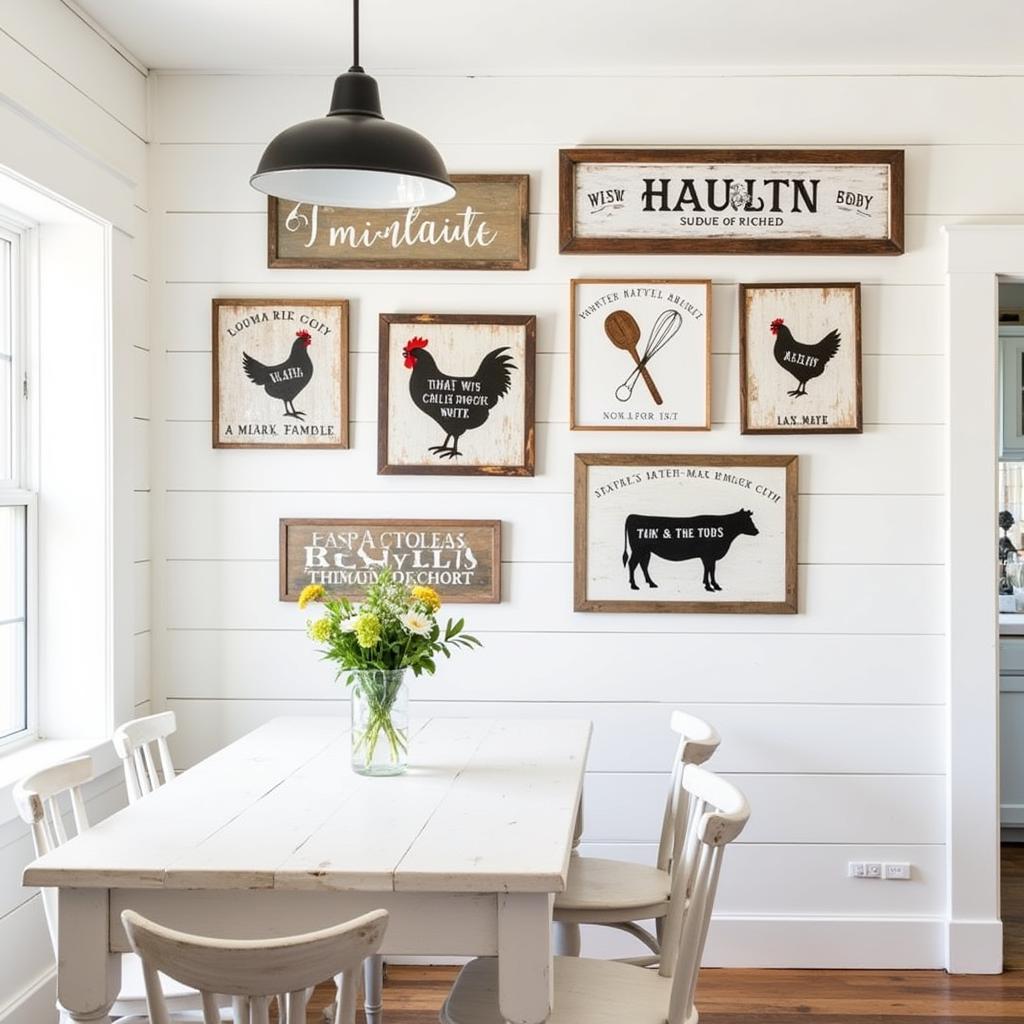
{"points": [[585, 992], [607, 886]]}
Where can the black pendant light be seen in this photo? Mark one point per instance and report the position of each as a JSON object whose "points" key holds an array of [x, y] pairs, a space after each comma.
{"points": [[353, 157]]}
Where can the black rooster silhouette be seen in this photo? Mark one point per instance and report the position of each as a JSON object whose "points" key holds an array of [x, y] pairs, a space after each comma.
{"points": [[456, 404], [287, 379], [805, 362]]}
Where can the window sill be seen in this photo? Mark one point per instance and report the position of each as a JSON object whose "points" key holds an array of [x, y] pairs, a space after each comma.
{"points": [[34, 755]]}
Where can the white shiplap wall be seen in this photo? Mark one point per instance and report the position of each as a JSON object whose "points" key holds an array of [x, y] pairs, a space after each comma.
{"points": [[832, 719], [74, 111]]}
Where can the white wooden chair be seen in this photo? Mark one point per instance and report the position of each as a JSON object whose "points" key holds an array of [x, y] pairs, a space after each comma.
{"points": [[253, 972], [38, 799], [135, 742], [619, 894], [610, 992]]}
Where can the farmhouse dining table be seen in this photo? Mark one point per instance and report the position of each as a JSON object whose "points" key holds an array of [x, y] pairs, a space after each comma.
{"points": [[275, 835]]}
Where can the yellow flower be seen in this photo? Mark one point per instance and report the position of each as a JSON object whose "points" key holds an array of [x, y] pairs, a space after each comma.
{"points": [[314, 592], [367, 629], [427, 596], [320, 630]]}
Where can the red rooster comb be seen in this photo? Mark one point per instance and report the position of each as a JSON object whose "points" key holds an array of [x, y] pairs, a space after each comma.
{"points": [[410, 347], [776, 324], [304, 337]]}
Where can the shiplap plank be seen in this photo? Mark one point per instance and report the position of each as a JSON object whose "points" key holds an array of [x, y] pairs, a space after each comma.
{"points": [[833, 599], [760, 110], [141, 596], [896, 319], [141, 507], [862, 809], [142, 662], [214, 247], [636, 737], [538, 527], [894, 459], [252, 666], [141, 464], [951, 180]]}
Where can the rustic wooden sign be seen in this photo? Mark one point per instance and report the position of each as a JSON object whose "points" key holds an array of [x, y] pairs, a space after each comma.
{"points": [[485, 227], [459, 558], [686, 533], [456, 394], [832, 201], [280, 373], [800, 359], [640, 354]]}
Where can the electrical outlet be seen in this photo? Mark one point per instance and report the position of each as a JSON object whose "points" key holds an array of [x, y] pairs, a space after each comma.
{"points": [[899, 872], [857, 869], [872, 869]]}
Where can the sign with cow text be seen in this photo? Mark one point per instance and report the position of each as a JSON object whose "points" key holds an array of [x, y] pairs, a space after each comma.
{"points": [[280, 373], [800, 361], [640, 355], [686, 533], [456, 395], [485, 227], [459, 558], [818, 201]]}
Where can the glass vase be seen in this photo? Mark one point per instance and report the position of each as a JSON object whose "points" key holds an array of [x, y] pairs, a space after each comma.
{"points": [[380, 722]]}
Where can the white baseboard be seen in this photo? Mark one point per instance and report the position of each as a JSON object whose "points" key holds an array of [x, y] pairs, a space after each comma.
{"points": [[975, 947], [36, 1004], [869, 943]]}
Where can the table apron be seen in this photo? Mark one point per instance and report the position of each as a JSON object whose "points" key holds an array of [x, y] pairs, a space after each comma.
{"points": [[445, 924]]}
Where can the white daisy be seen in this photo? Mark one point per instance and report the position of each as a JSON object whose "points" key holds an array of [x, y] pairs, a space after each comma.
{"points": [[348, 625], [416, 622]]}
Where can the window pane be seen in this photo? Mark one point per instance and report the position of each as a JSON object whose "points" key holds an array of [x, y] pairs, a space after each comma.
{"points": [[13, 676]]}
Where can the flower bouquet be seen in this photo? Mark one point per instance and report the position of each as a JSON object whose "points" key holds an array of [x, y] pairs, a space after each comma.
{"points": [[374, 643]]}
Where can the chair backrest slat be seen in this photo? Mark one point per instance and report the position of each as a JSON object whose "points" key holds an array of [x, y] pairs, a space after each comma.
{"points": [[37, 798], [135, 743], [719, 814], [254, 971], [697, 742]]}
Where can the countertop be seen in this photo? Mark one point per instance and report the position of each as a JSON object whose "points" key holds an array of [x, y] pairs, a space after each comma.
{"points": [[1010, 624]]}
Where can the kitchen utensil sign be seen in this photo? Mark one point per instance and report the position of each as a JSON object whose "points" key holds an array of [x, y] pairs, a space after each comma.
{"points": [[459, 558], [640, 355], [280, 373], [485, 227], [731, 201]]}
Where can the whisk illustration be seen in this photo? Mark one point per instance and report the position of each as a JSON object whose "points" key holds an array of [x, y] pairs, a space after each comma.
{"points": [[624, 332]]}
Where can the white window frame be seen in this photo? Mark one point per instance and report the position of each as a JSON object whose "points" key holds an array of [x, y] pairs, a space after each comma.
{"points": [[19, 489]]}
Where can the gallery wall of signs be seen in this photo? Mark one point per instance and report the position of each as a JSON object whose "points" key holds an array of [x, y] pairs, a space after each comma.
{"points": [[684, 532]]}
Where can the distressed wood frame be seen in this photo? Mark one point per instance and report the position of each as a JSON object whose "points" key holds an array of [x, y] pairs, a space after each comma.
{"points": [[529, 324], [789, 605], [890, 246], [858, 428]]}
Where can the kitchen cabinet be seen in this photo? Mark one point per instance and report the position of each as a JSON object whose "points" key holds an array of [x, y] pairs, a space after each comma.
{"points": [[1011, 728], [1011, 376]]}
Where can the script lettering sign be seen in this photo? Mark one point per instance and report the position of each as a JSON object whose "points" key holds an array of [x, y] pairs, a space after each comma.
{"points": [[459, 558], [485, 227], [761, 201]]}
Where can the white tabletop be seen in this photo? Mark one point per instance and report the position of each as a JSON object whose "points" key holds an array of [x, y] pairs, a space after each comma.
{"points": [[487, 806]]}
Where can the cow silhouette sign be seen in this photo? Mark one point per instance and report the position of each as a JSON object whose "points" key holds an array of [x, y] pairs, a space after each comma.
{"points": [[680, 539]]}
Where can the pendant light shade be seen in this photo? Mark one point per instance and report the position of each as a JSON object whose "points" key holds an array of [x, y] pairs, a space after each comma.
{"points": [[353, 157]]}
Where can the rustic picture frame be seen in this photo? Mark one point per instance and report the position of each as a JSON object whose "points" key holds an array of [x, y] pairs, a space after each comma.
{"points": [[837, 401], [509, 209], [884, 240], [268, 430], [521, 435], [449, 557], [642, 403], [654, 477]]}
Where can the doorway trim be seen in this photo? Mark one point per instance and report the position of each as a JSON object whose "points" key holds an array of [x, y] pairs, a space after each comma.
{"points": [[977, 255]]}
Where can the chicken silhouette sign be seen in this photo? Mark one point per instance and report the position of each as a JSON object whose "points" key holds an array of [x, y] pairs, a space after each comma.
{"points": [[280, 373], [685, 533], [456, 395], [800, 361]]}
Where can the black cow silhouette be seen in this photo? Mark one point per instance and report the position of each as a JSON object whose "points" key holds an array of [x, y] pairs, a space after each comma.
{"points": [[679, 539]]}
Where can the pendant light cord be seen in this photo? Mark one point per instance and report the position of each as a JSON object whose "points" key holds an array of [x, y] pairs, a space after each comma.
{"points": [[355, 36]]}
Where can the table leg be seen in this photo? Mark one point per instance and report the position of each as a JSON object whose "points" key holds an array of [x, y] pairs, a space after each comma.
{"points": [[373, 988], [89, 975], [524, 957]]}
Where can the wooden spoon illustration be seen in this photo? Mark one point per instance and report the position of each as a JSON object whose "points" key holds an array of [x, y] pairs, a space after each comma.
{"points": [[624, 332]]}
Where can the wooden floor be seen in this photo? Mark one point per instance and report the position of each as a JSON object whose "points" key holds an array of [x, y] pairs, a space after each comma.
{"points": [[413, 995]]}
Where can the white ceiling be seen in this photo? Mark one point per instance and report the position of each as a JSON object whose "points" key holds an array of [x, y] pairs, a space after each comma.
{"points": [[604, 36]]}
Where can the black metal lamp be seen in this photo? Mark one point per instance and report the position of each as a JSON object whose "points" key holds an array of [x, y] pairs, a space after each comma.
{"points": [[353, 157]]}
